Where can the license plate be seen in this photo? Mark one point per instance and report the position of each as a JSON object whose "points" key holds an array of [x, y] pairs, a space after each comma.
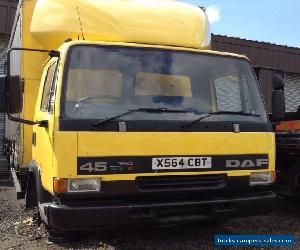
{"points": [[180, 163]]}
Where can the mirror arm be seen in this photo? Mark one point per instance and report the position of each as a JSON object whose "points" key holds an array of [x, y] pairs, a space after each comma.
{"points": [[28, 122], [51, 53]]}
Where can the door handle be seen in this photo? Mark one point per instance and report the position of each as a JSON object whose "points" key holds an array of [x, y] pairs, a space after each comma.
{"points": [[34, 138]]}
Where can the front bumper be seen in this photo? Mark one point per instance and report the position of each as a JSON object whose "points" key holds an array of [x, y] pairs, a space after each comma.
{"points": [[91, 217]]}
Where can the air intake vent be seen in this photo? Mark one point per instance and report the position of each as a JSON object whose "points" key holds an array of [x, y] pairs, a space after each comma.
{"points": [[180, 182]]}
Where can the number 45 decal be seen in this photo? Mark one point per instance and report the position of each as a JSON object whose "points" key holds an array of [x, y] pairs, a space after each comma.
{"points": [[94, 167]]}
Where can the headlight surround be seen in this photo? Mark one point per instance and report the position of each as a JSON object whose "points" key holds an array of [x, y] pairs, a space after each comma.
{"points": [[84, 185], [261, 178]]}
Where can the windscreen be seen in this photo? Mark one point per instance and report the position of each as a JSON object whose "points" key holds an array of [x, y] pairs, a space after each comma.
{"points": [[105, 81]]}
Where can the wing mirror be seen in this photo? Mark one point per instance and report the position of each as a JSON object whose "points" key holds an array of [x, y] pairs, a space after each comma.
{"points": [[278, 102], [11, 94]]}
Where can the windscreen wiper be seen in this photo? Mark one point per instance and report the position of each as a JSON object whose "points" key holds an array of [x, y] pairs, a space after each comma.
{"points": [[147, 110], [205, 115]]}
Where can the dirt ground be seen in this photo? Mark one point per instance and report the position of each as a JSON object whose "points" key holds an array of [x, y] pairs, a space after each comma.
{"points": [[19, 230]]}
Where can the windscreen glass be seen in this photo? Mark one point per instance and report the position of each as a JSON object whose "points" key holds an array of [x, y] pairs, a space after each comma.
{"points": [[105, 81]]}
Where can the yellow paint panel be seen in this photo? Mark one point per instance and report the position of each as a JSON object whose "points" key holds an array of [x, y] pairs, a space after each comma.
{"points": [[170, 143], [97, 144], [32, 62], [43, 150], [31, 70], [150, 22], [65, 154], [31, 90], [64, 48]]}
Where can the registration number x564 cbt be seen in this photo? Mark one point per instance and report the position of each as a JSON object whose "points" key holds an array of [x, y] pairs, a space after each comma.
{"points": [[181, 162]]}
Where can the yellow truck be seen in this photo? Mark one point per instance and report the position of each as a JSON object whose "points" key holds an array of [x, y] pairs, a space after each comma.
{"points": [[119, 113]]}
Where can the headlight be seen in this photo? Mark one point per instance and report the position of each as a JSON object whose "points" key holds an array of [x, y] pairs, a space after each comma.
{"points": [[261, 178], [84, 185]]}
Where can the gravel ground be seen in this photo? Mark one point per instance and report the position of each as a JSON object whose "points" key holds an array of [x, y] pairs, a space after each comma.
{"points": [[20, 230]]}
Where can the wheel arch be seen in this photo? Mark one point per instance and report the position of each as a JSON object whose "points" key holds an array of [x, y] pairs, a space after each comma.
{"points": [[35, 187]]}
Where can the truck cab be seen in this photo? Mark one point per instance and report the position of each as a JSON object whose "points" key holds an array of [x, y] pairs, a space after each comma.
{"points": [[136, 132]]}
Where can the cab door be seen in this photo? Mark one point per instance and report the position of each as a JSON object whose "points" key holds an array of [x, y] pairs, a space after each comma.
{"points": [[43, 139]]}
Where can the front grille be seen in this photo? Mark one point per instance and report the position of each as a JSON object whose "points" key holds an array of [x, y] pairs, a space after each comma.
{"points": [[173, 182]]}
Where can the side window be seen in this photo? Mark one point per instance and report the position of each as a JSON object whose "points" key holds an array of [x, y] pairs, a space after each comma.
{"points": [[47, 92], [228, 93], [292, 92]]}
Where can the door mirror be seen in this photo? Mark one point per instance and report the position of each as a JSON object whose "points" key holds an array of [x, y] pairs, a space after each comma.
{"points": [[278, 102], [278, 82], [3, 108], [15, 100], [11, 94], [278, 105]]}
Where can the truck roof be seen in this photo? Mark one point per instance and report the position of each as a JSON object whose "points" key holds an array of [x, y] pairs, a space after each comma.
{"points": [[161, 22], [66, 45]]}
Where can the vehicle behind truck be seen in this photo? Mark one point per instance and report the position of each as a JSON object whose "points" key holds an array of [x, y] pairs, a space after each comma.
{"points": [[118, 113], [288, 155]]}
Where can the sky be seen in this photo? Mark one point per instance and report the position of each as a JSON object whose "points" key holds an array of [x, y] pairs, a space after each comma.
{"points": [[274, 21]]}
